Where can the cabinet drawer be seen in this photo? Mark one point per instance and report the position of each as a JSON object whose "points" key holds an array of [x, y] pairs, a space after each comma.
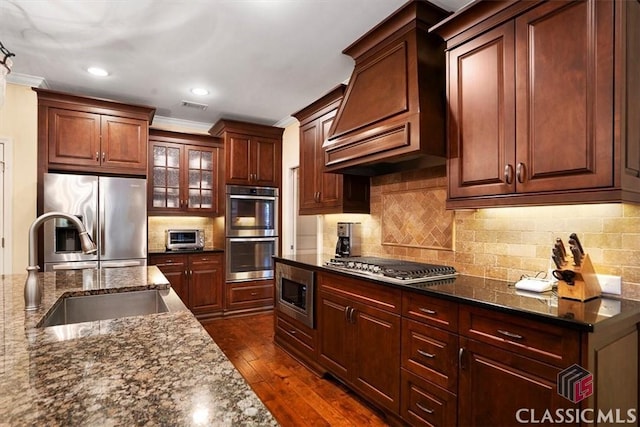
{"points": [[205, 258], [433, 311], [251, 293], [242, 296], [297, 335], [424, 404], [168, 260], [431, 353], [371, 294], [541, 341]]}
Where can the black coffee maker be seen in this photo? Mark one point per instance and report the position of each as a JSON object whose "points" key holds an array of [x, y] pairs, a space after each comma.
{"points": [[349, 239]]}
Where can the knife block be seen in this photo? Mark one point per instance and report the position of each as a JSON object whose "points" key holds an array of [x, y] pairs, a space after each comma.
{"points": [[585, 286]]}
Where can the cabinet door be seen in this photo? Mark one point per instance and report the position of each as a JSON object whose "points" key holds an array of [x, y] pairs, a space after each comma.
{"points": [[202, 179], [74, 138], [495, 384], [335, 344], [482, 115], [206, 280], [376, 358], [266, 162], [238, 159], [164, 178], [330, 184], [564, 64], [174, 268], [310, 173], [124, 143]]}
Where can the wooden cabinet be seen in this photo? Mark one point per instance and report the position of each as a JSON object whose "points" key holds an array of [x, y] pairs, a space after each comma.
{"points": [[91, 135], [495, 384], [206, 281], [253, 153], [185, 174], [198, 279], [359, 336], [538, 109], [516, 354], [250, 296], [175, 269], [429, 362], [434, 360], [322, 192]]}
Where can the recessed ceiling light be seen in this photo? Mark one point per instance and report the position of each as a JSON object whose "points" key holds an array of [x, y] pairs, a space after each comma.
{"points": [[199, 91], [98, 71]]}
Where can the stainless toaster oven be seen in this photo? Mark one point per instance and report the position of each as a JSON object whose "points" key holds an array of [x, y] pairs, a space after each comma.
{"points": [[184, 239]]}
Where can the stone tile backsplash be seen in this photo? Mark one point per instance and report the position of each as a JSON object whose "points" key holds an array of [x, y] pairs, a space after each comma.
{"points": [[500, 243], [158, 224]]}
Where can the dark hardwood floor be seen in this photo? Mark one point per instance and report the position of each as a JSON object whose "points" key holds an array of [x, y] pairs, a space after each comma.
{"points": [[294, 395]]}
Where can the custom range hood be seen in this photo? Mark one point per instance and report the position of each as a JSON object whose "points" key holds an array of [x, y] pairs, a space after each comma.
{"points": [[392, 116]]}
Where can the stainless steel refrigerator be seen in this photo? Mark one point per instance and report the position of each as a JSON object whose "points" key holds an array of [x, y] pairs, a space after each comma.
{"points": [[114, 212]]}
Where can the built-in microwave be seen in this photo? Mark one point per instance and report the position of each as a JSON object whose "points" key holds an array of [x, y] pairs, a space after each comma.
{"points": [[295, 293], [184, 239]]}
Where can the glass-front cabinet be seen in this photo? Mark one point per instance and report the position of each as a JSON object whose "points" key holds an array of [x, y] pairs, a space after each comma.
{"points": [[184, 174]]}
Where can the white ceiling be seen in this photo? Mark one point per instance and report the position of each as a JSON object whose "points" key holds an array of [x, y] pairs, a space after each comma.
{"points": [[261, 60]]}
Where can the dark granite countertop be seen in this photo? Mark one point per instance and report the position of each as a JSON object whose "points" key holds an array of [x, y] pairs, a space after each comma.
{"points": [[503, 296], [184, 251], [158, 369]]}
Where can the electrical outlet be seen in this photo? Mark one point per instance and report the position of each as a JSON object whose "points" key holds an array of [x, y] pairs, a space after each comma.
{"points": [[610, 284]]}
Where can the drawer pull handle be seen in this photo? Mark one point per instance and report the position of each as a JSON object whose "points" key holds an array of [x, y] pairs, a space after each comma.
{"points": [[424, 408], [253, 294], [510, 334], [292, 332], [425, 354], [426, 310]]}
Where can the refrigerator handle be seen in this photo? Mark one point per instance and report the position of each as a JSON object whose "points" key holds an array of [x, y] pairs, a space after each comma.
{"points": [[96, 223], [101, 216]]}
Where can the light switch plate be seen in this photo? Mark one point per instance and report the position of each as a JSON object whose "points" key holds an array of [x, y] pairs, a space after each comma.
{"points": [[610, 284]]}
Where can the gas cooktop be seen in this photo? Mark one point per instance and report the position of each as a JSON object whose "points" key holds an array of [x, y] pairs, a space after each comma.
{"points": [[392, 270]]}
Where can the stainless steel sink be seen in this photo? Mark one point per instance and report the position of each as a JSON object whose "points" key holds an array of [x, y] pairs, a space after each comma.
{"points": [[90, 308]]}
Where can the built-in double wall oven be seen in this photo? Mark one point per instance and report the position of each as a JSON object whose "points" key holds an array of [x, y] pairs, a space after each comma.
{"points": [[251, 228]]}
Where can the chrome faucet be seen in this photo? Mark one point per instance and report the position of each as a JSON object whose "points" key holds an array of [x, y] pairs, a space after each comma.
{"points": [[33, 287]]}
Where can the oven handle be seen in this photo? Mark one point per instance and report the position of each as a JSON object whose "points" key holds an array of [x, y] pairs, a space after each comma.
{"points": [[252, 239], [243, 197]]}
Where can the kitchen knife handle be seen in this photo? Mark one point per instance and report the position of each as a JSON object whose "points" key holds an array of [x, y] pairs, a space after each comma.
{"points": [[574, 237], [508, 174], [560, 244], [520, 172]]}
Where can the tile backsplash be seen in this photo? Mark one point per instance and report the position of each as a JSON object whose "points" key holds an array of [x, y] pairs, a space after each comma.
{"points": [[500, 243]]}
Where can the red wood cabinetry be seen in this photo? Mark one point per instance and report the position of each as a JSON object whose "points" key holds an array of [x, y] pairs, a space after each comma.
{"points": [[322, 192], [80, 134], [185, 174], [253, 153], [253, 295], [359, 336], [198, 279], [538, 103]]}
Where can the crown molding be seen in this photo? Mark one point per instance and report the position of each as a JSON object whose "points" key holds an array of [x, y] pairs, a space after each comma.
{"points": [[27, 80], [162, 122], [283, 123]]}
